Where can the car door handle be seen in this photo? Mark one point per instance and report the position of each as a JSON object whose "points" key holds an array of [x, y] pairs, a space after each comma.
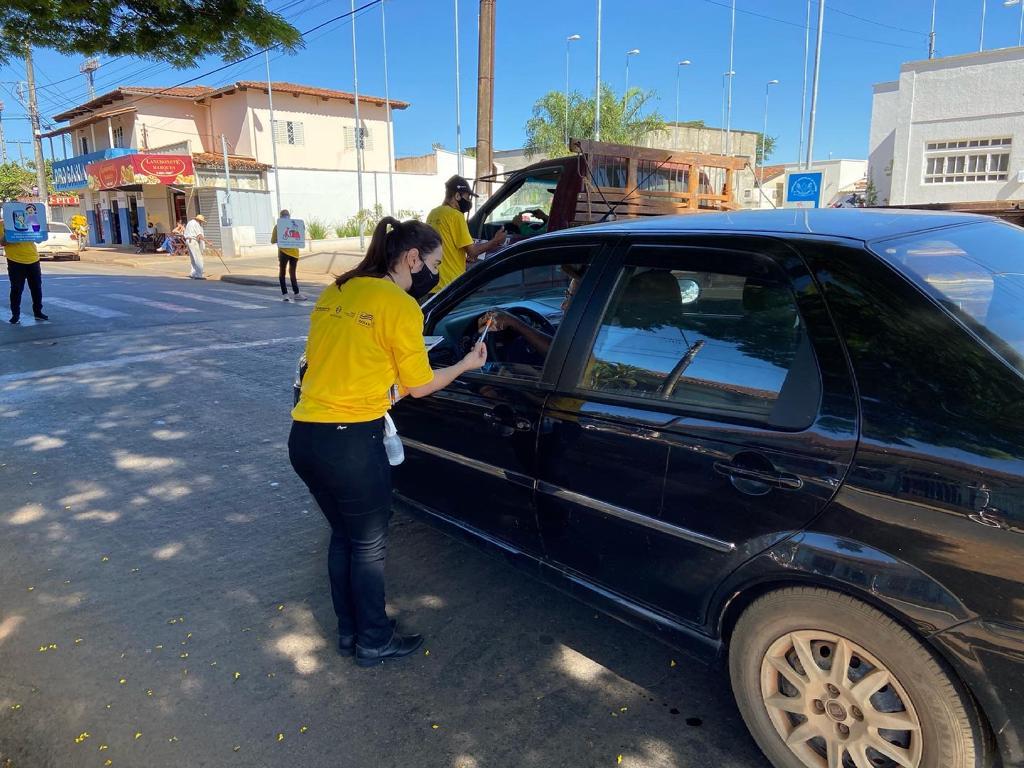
{"points": [[780, 480], [505, 421]]}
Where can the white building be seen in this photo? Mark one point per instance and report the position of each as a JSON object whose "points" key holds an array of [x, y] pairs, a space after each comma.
{"points": [[950, 130]]}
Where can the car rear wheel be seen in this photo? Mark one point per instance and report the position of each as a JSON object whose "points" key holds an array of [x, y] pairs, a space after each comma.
{"points": [[826, 681]]}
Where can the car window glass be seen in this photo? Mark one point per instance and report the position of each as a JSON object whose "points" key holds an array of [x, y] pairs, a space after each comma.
{"points": [[56, 226], [976, 273], [528, 302], [536, 193], [719, 342]]}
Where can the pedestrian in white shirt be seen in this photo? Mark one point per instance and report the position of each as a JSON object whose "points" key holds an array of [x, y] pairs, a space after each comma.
{"points": [[196, 242]]}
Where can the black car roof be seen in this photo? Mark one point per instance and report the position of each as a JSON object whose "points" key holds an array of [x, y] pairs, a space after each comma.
{"points": [[853, 223]]}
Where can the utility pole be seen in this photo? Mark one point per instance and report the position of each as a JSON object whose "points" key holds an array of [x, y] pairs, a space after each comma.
{"points": [[3, 143], [597, 93], [358, 134], [803, 93], [273, 138], [814, 87], [458, 95], [88, 67], [33, 113], [728, 109], [227, 181], [485, 95], [387, 102], [931, 34]]}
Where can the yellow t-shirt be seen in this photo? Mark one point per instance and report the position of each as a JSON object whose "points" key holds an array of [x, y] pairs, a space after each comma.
{"points": [[364, 337], [451, 226], [23, 253], [293, 252]]}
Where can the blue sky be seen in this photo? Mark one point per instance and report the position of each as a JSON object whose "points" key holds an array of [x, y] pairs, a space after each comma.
{"points": [[865, 42]]}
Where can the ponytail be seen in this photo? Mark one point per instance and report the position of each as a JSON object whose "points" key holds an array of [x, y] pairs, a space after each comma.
{"points": [[392, 238]]}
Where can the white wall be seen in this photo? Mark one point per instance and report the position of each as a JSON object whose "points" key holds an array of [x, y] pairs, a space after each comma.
{"points": [[882, 140], [961, 97]]}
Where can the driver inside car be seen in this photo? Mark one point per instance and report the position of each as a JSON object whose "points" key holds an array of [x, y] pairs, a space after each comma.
{"points": [[501, 320]]}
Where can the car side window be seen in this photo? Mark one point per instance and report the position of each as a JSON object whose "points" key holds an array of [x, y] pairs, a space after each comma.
{"points": [[712, 341], [527, 300]]}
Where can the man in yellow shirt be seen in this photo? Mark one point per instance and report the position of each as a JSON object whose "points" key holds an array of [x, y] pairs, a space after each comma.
{"points": [[22, 267], [287, 258], [457, 245]]}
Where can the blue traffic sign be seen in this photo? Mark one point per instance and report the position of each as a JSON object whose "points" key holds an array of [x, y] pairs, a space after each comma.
{"points": [[804, 189]]}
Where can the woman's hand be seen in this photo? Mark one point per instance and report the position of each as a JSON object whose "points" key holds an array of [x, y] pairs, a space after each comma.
{"points": [[475, 359], [499, 320]]}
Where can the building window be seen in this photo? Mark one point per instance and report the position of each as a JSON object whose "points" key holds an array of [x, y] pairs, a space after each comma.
{"points": [[288, 132], [119, 136], [350, 137], [967, 160], [85, 146]]}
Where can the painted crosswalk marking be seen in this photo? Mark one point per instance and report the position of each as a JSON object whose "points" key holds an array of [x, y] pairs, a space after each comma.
{"points": [[164, 305], [215, 300], [246, 295], [88, 309]]}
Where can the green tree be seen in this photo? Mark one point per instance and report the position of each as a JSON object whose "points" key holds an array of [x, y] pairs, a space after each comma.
{"points": [[15, 181], [179, 33], [622, 120], [769, 148]]}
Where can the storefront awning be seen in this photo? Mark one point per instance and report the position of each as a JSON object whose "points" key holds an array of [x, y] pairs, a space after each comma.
{"points": [[141, 168]]}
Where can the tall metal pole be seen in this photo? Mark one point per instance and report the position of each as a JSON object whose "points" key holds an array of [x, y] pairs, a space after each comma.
{"points": [[569, 39], [597, 90], [803, 93], [725, 75], [458, 94], [387, 101], [273, 138], [629, 53], [931, 33], [1020, 32], [981, 39], [679, 66], [227, 177], [814, 87], [728, 109], [358, 133], [485, 97], [33, 113], [3, 142], [764, 132]]}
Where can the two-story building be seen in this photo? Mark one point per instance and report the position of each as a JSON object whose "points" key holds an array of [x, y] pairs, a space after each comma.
{"points": [[950, 131], [140, 154]]}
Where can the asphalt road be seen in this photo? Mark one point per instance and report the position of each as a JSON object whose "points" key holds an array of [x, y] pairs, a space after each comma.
{"points": [[163, 577]]}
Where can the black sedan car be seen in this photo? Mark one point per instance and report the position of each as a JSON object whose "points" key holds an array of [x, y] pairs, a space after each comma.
{"points": [[793, 440]]}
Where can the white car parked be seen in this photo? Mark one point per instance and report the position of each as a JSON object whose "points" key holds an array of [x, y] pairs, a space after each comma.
{"points": [[60, 243]]}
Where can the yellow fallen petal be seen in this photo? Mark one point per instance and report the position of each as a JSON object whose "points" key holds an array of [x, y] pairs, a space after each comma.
{"points": [[183, 656], [435, 726], [623, 709], [138, 735], [15, 707], [52, 646], [108, 761], [280, 607], [159, 647], [172, 621], [426, 653], [672, 663], [103, 747], [78, 641], [280, 737], [149, 691], [303, 729], [173, 738], [213, 663], [31, 588], [271, 674], [614, 714], [618, 760], [236, 747], [136, 570], [188, 636], [122, 681], [104, 559], [109, 706], [237, 675]]}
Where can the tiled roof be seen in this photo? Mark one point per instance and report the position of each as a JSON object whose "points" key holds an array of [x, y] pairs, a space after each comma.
{"points": [[235, 162], [123, 91], [770, 171], [308, 90]]}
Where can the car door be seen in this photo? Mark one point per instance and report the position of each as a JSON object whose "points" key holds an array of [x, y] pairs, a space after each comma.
{"points": [[471, 448], [706, 414]]}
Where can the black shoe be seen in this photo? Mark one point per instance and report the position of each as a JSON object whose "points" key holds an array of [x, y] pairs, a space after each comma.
{"points": [[347, 643], [400, 645], [15, 321], [41, 316]]}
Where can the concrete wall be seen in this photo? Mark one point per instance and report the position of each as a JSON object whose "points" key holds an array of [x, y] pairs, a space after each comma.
{"points": [[169, 121], [231, 118], [956, 98], [882, 140]]}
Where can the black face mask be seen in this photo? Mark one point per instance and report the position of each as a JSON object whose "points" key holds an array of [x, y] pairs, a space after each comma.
{"points": [[423, 282], [465, 205]]}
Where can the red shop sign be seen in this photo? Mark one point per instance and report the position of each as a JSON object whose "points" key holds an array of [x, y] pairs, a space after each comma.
{"points": [[130, 170]]}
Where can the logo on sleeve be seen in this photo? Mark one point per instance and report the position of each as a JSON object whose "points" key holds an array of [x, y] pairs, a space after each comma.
{"points": [[365, 318]]}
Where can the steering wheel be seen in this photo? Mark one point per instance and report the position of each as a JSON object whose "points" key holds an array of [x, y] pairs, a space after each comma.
{"points": [[530, 317]]}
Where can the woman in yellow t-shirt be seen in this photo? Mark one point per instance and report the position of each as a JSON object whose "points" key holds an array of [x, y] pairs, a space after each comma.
{"points": [[366, 335]]}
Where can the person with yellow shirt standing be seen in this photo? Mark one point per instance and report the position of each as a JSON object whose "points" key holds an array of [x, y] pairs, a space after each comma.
{"points": [[23, 267], [287, 259], [449, 219], [365, 342]]}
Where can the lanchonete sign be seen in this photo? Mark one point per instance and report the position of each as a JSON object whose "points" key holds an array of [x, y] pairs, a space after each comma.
{"points": [[141, 169]]}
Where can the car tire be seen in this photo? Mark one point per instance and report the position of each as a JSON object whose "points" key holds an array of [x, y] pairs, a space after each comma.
{"points": [[798, 719]]}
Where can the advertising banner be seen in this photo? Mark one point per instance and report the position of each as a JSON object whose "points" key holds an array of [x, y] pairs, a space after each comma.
{"points": [[291, 233], [168, 170], [24, 222]]}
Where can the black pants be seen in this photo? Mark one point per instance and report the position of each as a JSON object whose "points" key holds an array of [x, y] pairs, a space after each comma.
{"points": [[346, 469], [20, 274], [284, 261]]}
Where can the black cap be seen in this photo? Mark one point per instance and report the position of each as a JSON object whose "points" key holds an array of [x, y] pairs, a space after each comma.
{"points": [[458, 184]]}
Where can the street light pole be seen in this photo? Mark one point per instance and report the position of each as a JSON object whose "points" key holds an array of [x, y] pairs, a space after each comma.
{"points": [[764, 132], [931, 34], [273, 137], [981, 39], [358, 134], [725, 75], [630, 52], [679, 66], [569, 39], [597, 92], [1020, 32], [814, 87], [803, 93], [458, 94], [728, 110], [387, 101]]}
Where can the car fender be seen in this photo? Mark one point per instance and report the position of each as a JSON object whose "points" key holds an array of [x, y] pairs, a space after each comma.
{"points": [[879, 578]]}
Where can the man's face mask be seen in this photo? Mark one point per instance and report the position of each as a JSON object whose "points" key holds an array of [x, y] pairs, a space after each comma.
{"points": [[423, 282], [465, 204]]}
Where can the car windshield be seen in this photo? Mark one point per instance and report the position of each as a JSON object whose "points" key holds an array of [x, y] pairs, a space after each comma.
{"points": [[55, 226], [976, 272]]}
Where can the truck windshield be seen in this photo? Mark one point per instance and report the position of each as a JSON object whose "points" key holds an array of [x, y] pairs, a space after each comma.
{"points": [[534, 194], [976, 272]]}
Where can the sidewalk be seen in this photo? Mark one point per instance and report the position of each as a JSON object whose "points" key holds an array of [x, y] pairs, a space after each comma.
{"points": [[314, 270]]}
